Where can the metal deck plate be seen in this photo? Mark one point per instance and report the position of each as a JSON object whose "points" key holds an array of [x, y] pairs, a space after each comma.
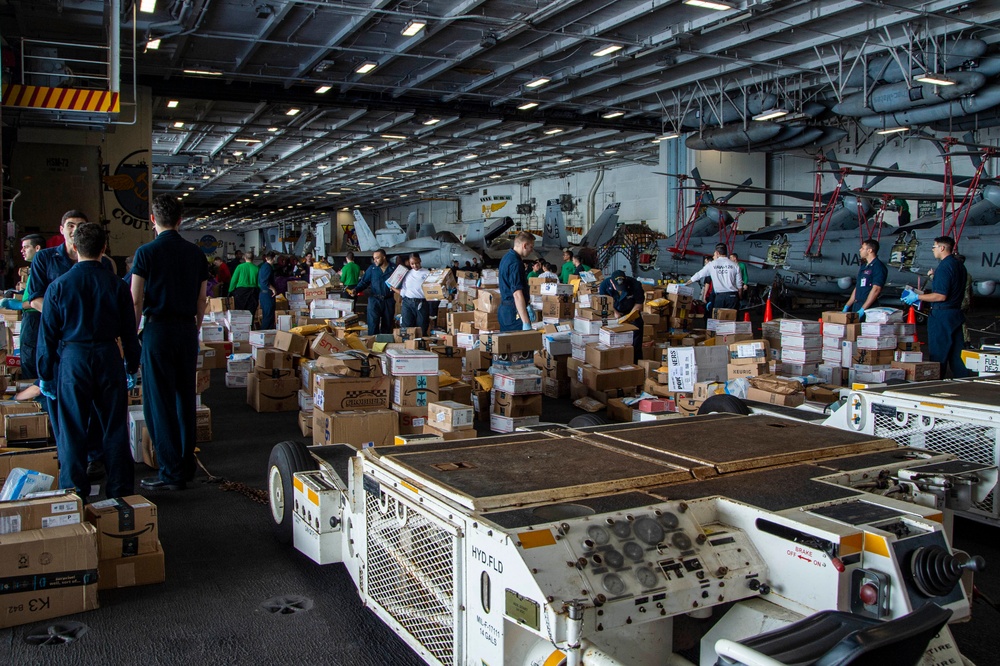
{"points": [[774, 489], [537, 515], [743, 443], [981, 392], [488, 475], [887, 457]]}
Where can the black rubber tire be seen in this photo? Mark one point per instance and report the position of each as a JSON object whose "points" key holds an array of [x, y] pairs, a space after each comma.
{"points": [[587, 420], [286, 459], [724, 404]]}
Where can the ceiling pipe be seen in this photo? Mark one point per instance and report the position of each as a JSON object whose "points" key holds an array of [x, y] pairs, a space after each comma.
{"points": [[592, 198]]}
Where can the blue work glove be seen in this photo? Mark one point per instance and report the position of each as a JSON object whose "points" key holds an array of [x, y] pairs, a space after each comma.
{"points": [[130, 381], [525, 326], [11, 304], [861, 313], [847, 308], [47, 389], [910, 297]]}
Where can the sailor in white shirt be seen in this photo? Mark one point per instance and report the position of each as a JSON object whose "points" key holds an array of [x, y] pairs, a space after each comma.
{"points": [[549, 272], [726, 279], [415, 306]]}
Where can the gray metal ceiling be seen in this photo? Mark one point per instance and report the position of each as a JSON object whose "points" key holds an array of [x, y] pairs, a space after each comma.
{"points": [[369, 138]]}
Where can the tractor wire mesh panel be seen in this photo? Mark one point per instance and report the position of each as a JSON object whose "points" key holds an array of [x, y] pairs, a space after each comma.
{"points": [[965, 440], [411, 571]]}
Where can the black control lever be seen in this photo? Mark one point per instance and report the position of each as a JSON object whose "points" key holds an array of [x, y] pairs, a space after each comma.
{"points": [[936, 572]]}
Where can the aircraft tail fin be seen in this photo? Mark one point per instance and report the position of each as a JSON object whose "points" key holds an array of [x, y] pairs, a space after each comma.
{"points": [[475, 235], [554, 234], [411, 226], [603, 228], [366, 238]]}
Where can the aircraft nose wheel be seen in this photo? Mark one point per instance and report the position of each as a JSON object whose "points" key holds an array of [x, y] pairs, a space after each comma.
{"points": [[286, 459]]}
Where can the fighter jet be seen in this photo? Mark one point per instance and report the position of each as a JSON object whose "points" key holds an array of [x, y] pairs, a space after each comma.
{"points": [[436, 250]]}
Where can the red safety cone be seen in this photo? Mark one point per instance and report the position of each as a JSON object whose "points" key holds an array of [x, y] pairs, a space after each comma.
{"points": [[821, 326], [746, 316], [911, 318], [768, 314]]}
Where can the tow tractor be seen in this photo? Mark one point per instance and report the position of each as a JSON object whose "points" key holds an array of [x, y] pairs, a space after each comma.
{"points": [[584, 546]]}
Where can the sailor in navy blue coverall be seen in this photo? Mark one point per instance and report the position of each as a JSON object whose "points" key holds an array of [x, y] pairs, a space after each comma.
{"points": [[381, 304], [86, 311], [514, 314], [627, 295], [169, 278], [49, 265], [265, 281], [944, 326]]}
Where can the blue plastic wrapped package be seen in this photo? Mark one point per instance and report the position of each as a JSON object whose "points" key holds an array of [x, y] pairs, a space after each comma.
{"points": [[21, 482]]}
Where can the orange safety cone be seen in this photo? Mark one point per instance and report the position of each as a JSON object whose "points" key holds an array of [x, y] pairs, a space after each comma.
{"points": [[768, 314], [746, 316], [820, 326], [911, 318]]}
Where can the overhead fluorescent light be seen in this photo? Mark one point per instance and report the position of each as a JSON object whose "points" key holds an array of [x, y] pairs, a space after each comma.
{"points": [[667, 137], [471, 156], [365, 149], [397, 137], [293, 112], [432, 121], [172, 104], [147, 6], [322, 90], [470, 180], [407, 171], [272, 129], [496, 175], [343, 158], [444, 187], [771, 114], [564, 160], [366, 67], [935, 80], [152, 44], [202, 72], [366, 184], [893, 130], [439, 164], [610, 152], [528, 105], [248, 141], [179, 124], [413, 27], [540, 81], [607, 50], [239, 153], [710, 4], [384, 177], [506, 144], [613, 114], [554, 130]]}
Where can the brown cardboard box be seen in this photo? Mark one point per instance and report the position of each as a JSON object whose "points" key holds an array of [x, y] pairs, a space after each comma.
{"points": [[627, 376], [488, 300], [789, 400], [481, 403], [126, 526], [506, 343], [306, 424], [269, 358], [748, 352], [516, 406], [873, 356], [604, 357], [290, 342], [53, 509], [555, 388], [455, 320], [296, 286], [821, 393], [619, 411], [411, 419], [702, 390], [144, 569], [688, 406], [415, 390], [724, 314], [485, 321], [273, 395], [919, 372], [470, 433], [450, 416], [40, 460], [737, 370], [838, 317], [203, 380], [325, 344], [218, 304], [351, 364], [335, 393], [65, 555], [216, 354], [458, 392], [148, 450], [25, 427], [654, 387], [577, 389], [313, 293], [357, 428]]}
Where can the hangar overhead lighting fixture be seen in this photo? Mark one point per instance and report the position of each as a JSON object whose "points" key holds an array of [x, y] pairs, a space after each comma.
{"points": [[710, 4], [554, 130], [384, 177], [153, 44], [367, 184], [179, 124], [407, 171], [527, 105], [506, 144], [248, 141], [935, 80], [365, 149], [432, 121], [667, 137], [893, 130], [366, 67], [771, 114], [396, 137], [413, 27], [610, 152], [607, 50], [322, 90], [564, 160], [438, 164], [172, 104], [202, 72], [540, 81], [293, 112], [272, 129], [147, 6], [613, 114]]}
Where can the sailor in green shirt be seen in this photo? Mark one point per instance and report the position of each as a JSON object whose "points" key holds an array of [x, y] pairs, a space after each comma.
{"points": [[536, 269], [735, 258], [350, 273], [243, 285], [567, 268]]}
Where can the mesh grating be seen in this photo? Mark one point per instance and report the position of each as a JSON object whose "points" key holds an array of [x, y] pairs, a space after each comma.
{"points": [[411, 572], [967, 441]]}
